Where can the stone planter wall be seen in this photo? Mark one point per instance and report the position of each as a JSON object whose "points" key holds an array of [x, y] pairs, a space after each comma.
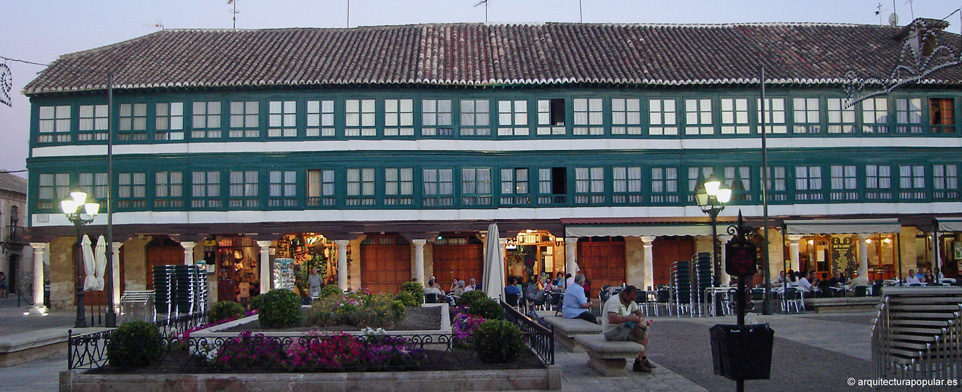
{"points": [[548, 378]]}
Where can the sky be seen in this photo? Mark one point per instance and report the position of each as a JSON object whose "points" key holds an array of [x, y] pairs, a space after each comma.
{"points": [[40, 31]]}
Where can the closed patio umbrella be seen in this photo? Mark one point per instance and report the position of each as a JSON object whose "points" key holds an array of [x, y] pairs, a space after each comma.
{"points": [[90, 281], [100, 256], [493, 278]]}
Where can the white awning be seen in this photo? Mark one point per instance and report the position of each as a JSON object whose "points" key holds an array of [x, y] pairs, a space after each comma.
{"points": [[843, 226], [950, 224], [638, 231]]}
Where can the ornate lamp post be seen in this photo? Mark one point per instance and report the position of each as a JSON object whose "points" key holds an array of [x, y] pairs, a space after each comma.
{"points": [[712, 198], [80, 217]]}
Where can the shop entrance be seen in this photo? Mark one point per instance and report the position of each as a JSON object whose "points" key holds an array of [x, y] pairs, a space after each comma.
{"points": [[385, 263], [162, 251], [457, 258], [532, 252], [603, 260], [236, 263]]}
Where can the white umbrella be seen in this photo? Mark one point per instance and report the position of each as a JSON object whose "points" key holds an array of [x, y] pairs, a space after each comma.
{"points": [[90, 281], [100, 256], [493, 278]]}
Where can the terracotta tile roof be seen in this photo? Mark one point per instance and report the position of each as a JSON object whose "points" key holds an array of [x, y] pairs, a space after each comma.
{"points": [[484, 55]]}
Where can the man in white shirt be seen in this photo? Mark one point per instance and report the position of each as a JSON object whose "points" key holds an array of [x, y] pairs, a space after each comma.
{"points": [[912, 278], [471, 286], [804, 284], [622, 321]]}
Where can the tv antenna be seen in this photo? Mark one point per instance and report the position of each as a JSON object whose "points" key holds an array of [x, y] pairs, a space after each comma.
{"points": [[485, 2], [234, 12], [156, 25]]}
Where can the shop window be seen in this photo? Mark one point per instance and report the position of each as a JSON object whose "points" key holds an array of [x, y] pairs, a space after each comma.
{"points": [[93, 123], [514, 186], [942, 115], [805, 114], [54, 124]]}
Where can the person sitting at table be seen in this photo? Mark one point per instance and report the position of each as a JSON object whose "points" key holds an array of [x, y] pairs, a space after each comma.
{"points": [[921, 275], [929, 277], [911, 278], [454, 285], [576, 304], [804, 285], [512, 287], [857, 280], [559, 280], [792, 276], [471, 286], [433, 289], [459, 289], [780, 280]]}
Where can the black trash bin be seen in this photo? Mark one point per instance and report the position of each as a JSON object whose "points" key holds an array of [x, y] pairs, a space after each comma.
{"points": [[742, 352]]}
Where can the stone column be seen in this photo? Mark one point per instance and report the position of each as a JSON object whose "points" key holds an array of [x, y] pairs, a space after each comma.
{"points": [[571, 258], [419, 260], [863, 255], [647, 242], [265, 265], [115, 267], [188, 252], [793, 250], [726, 279], [39, 248], [342, 263]]}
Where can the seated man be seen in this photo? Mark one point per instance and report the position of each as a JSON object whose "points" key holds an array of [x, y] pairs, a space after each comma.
{"points": [[621, 320], [804, 285], [576, 304], [512, 287], [472, 286], [433, 289], [857, 280], [912, 278]]}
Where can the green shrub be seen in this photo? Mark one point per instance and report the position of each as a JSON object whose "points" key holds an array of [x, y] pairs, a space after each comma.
{"points": [[280, 308], [135, 344], [407, 299], [256, 302], [487, 308], [416, 290], [498, 341], [225, 310], [468, 298], [360, 310], [329, 290], [398, 311]]}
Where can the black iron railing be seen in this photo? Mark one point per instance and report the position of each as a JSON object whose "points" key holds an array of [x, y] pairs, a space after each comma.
{"points": [[89, 351], [538, 337]]}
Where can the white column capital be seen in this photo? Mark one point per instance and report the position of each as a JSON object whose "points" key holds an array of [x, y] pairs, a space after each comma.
{"points": [[188, 244], [264, 244], [340, 243], [419, 242], [41, 246], [647, 239], [794, 237], [863, 236]]}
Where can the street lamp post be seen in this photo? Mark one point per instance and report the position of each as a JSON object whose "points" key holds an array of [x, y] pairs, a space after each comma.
{"points": [[711, 199], [80, 217]]}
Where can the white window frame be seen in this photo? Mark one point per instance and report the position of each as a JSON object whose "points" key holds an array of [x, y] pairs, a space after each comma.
{"points": [[282, 119], [775, 119], [840, 119], [875, 115], [206, 120], [169, 121], [513, 118], [93, 122], [734, 116], [698, 117], [399, 117], [320, 118], [436, 116], [662, 117], [589, 118], [626, 116], [806, 116], [54, 122], [475, 119], [244, 119], [908, 115], [360, 118]]}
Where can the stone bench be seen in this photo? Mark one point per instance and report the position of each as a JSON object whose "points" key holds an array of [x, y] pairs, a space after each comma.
{"points": [[844, 304], [608, 357], [565, 331]]}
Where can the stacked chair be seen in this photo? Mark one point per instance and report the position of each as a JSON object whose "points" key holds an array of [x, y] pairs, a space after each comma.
{"points": [[703, 279], [682, 282], [164, 288]]}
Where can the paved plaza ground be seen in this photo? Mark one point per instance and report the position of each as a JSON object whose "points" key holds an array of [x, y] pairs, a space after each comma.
{"points": [[811, 352]]}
